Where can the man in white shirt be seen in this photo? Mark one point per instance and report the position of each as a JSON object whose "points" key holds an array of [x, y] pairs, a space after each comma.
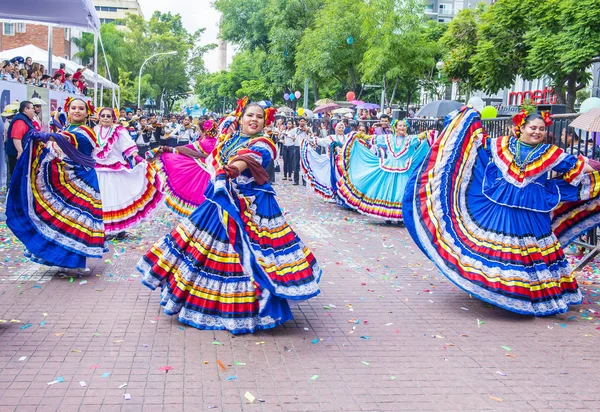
{"points": [[298, 134], [171, 132], [287, 151]]}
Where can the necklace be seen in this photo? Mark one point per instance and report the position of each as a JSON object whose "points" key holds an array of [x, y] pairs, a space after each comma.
{"points": [[104, 138], [529, 156]]}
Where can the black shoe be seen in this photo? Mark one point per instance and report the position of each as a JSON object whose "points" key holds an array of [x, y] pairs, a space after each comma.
{"points": [[284, 178], [296, 183]]}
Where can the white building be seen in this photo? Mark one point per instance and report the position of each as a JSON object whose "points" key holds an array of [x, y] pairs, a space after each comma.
{"points": [[115, 11]]}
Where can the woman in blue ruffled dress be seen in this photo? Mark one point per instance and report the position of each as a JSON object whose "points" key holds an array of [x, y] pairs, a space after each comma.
{"points": [[54, 205], [493, 218], [374, 172], [235, 262]]}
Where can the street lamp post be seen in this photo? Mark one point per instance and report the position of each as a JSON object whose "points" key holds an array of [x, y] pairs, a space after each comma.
{"points": [[142, 68]]}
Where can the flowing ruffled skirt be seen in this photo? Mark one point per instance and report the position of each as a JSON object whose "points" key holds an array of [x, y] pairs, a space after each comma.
{"points": [[373, 185], [501, 253], [318, 171], [233, 264], [184, 181], [129, 196], [54, 208]]}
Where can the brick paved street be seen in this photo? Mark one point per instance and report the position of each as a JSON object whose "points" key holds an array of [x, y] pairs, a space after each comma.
{"points": [[387, 333]]}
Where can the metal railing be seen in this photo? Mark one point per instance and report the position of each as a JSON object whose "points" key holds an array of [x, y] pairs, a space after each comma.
{"points": [[559, 133]]}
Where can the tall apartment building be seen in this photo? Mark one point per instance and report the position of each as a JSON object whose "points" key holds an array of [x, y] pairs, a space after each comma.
{"points": [[115, 11]]}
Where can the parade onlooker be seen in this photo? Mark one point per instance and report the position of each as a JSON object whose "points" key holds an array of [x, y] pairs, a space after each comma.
{"points": [[61, 72], [301, 132], [19, 127]]}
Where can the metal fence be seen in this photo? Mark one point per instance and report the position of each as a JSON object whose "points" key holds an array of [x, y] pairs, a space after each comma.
{"points": [[559, 133]]}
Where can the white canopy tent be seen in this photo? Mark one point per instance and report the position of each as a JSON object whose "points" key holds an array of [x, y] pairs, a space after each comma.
{"points": [[41, 56], [80, 14], [69, 13]]}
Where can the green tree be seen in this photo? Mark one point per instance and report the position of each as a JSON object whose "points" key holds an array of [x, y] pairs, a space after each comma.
{"points": [[244, 23], [170, 75], [114, 47], [460, 41], [401, 45], [559, 39], [333, 47]]}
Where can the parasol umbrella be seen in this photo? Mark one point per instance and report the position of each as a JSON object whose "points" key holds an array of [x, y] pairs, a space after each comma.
{"points": [[438, 108], [357, 102], [327, 107], [342, 110], [285, 109], [588, 121], [323, 101], [309, 114], [368, 106]]}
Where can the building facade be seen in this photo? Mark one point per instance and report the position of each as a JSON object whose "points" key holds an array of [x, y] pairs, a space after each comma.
{"points": [[115, 11], [445, 10], [14, 34]]}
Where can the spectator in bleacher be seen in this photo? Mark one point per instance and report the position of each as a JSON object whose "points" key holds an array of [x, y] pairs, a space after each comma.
{"points": [[56, 83], [28, 64], [69, 87], [61, 72]]}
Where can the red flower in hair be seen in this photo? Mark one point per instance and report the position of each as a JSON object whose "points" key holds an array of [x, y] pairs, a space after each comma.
{"points": [[547, 118], [240, 107], [519, 118], [270, 115]]}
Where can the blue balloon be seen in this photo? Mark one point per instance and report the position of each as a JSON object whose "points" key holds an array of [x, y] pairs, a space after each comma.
{"points": [[350, 40], [292, 97]]}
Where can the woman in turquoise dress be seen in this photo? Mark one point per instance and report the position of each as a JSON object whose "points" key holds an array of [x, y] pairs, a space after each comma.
{"points": [[54, 205], [374, 172], [235, 262], [493, 213]]}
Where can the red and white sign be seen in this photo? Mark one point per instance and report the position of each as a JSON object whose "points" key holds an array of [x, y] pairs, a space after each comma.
{"points": [[545, 96]]}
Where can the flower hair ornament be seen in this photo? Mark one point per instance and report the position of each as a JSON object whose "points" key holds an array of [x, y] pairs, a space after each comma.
{"points": [[241, 103], [113, 111], [210, 128], [269, 111], [519, 119], [88, 104]]}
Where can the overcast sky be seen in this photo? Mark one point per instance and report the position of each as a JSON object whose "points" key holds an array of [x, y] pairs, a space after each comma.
{"points": [[195, 15]]}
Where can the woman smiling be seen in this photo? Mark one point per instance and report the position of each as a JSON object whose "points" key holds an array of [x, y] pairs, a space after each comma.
{"points": [[235, 262]]}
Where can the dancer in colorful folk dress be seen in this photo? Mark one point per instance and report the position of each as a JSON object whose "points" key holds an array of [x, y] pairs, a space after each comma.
{"points": [[183, 171], [129, 186], [54, 205], [374, 172], [481, 208], [235, 262], [320, 169]]}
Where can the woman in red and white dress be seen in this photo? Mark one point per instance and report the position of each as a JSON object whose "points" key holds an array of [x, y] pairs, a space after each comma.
{"points": [[129, 186]]}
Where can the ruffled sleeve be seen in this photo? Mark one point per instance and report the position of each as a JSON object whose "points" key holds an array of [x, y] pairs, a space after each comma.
{"points": [[572, 168], [261, 149], [126, 143]]}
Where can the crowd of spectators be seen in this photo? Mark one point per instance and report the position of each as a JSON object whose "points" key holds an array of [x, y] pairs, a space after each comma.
{"points": [[25, 71]]}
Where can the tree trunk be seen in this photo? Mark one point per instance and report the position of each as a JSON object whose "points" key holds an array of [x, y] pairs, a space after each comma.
{"points": [[571, 92], [316, 90], [393, 93]]}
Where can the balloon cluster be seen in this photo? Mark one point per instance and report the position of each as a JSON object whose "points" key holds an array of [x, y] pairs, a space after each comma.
{"points": [[292, 96]]}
